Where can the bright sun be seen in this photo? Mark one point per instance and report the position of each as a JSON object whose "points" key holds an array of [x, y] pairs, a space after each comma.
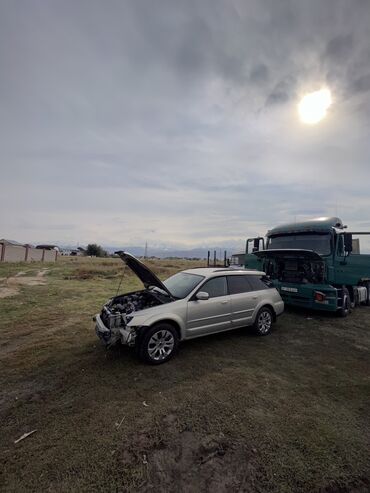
{"points": [[313, 106]]}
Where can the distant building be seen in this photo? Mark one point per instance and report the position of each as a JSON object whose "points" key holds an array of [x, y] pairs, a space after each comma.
{"points": [[10, 242], [78, 252], [48, 247], [74, 252]]}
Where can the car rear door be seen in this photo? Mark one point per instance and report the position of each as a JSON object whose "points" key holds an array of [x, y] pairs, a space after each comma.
{"points": [[212, 315], [243, 300], [262, 291]]}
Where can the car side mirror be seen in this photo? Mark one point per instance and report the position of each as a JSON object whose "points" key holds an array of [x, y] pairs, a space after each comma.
{"points": [[202, 296]]}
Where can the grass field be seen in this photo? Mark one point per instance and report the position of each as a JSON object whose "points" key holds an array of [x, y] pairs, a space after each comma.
{"points": [[232, 412]]}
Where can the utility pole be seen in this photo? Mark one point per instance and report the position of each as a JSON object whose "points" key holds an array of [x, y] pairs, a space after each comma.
{"points": [[146, 250]]}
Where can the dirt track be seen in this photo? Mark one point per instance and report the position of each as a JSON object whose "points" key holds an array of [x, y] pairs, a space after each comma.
{"points": [[9, 286]]}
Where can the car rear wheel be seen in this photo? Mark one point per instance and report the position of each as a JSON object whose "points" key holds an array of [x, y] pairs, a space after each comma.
{"points": [[158, 344], [263, 323]]}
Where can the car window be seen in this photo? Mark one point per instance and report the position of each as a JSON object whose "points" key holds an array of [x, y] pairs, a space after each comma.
{"points": [[215, 287], [258, 283], [238, 284], [182, 283]]}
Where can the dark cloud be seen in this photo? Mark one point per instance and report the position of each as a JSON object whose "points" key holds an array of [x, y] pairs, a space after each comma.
{"points": [[362, 84], [283, 92], [339, 49], [259, 74]]}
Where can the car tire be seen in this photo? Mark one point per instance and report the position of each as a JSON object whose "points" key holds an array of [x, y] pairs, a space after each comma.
{"points": [[158, 344], [346, 303], [263, 323]]}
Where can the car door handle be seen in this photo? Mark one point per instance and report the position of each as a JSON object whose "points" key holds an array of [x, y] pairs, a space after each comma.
{"points": [[254, 297], [224, 302]]}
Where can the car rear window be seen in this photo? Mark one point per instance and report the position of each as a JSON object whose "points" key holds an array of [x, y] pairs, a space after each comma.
{"points": [[238, 284], [259, 282]]}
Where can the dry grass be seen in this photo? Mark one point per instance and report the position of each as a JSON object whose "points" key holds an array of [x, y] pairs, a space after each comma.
{"points": [[231, 412]]}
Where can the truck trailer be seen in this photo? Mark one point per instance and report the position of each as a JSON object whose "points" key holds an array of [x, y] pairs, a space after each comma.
{"points": [[313, 264]]}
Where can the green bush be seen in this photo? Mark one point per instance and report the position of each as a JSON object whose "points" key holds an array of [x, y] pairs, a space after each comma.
{"points": [[95, 250]]}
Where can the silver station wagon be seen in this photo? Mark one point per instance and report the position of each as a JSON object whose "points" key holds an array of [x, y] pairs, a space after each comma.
{"points": [[189, 304]]}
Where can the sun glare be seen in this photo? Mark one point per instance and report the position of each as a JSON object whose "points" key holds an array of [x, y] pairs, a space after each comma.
{"points": [[313, 106]]}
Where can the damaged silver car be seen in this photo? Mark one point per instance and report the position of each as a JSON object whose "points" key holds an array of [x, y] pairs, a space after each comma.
{"points": [[189, 304]]}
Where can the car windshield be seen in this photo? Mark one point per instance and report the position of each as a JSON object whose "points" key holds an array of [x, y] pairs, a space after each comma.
{"points": [[182, 283], [319, 243]]}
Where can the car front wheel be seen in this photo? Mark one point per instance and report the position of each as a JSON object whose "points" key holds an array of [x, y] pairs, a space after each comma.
{"points": [[263, 323], [158, 344]]}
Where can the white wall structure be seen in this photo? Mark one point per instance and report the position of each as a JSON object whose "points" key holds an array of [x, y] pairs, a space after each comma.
{"points": [[15, 253], [35, 254]]}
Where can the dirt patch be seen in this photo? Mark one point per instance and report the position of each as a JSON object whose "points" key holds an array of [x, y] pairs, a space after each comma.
{"points": [[6, 292], [362, 485], [89, 273], [196, 463], [26, 392], [186, 461], [10, 285]]}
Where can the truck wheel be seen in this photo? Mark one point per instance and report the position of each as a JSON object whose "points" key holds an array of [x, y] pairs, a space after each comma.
{"points": [[346, 303], [263, 323], [367, 285], [158, 344]]}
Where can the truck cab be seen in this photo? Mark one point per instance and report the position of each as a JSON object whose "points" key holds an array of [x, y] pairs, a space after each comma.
{"points": [[313, 264]]}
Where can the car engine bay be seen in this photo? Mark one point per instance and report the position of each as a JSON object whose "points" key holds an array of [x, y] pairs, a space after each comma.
{"points": [[118, 311]]}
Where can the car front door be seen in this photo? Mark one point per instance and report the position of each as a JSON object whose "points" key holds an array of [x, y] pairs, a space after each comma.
{"points": [[243, 300], [212, 315]]}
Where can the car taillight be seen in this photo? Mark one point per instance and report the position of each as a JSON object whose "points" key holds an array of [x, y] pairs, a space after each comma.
{"points": [[319, 296]]}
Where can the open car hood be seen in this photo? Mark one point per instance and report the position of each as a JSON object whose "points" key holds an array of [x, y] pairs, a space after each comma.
{"points": [[146, 276], [288, 253]]}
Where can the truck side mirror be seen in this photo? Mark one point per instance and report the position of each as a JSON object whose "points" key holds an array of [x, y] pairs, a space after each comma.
{"points": [[256, 244], [348, 242]]}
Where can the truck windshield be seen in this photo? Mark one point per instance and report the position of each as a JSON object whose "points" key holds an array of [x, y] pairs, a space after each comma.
{"points": [[319, 243]]}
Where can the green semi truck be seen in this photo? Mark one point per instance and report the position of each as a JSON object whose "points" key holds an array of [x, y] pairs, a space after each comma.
{"points": [[314, 264]]}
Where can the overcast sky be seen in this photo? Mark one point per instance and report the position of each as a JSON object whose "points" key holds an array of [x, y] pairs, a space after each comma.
{"points": [[176, 122]]}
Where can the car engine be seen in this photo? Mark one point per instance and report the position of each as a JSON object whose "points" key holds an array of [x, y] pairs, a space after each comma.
{"points": [[117, 311]]}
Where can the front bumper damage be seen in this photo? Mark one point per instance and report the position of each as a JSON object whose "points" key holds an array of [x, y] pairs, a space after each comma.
{"points": [[110, 337]]}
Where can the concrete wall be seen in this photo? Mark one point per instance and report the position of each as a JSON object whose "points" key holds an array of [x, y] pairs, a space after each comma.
{"points": [[35, 255], [50, 256], [15, 253]]}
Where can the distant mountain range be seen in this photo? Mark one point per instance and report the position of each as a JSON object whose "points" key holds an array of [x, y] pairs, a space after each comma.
{"points": [[162, 252], [170, 252]]}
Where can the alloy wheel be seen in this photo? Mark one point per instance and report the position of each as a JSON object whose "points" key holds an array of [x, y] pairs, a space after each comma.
{"points": [[161, 345], [264, 322]]}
